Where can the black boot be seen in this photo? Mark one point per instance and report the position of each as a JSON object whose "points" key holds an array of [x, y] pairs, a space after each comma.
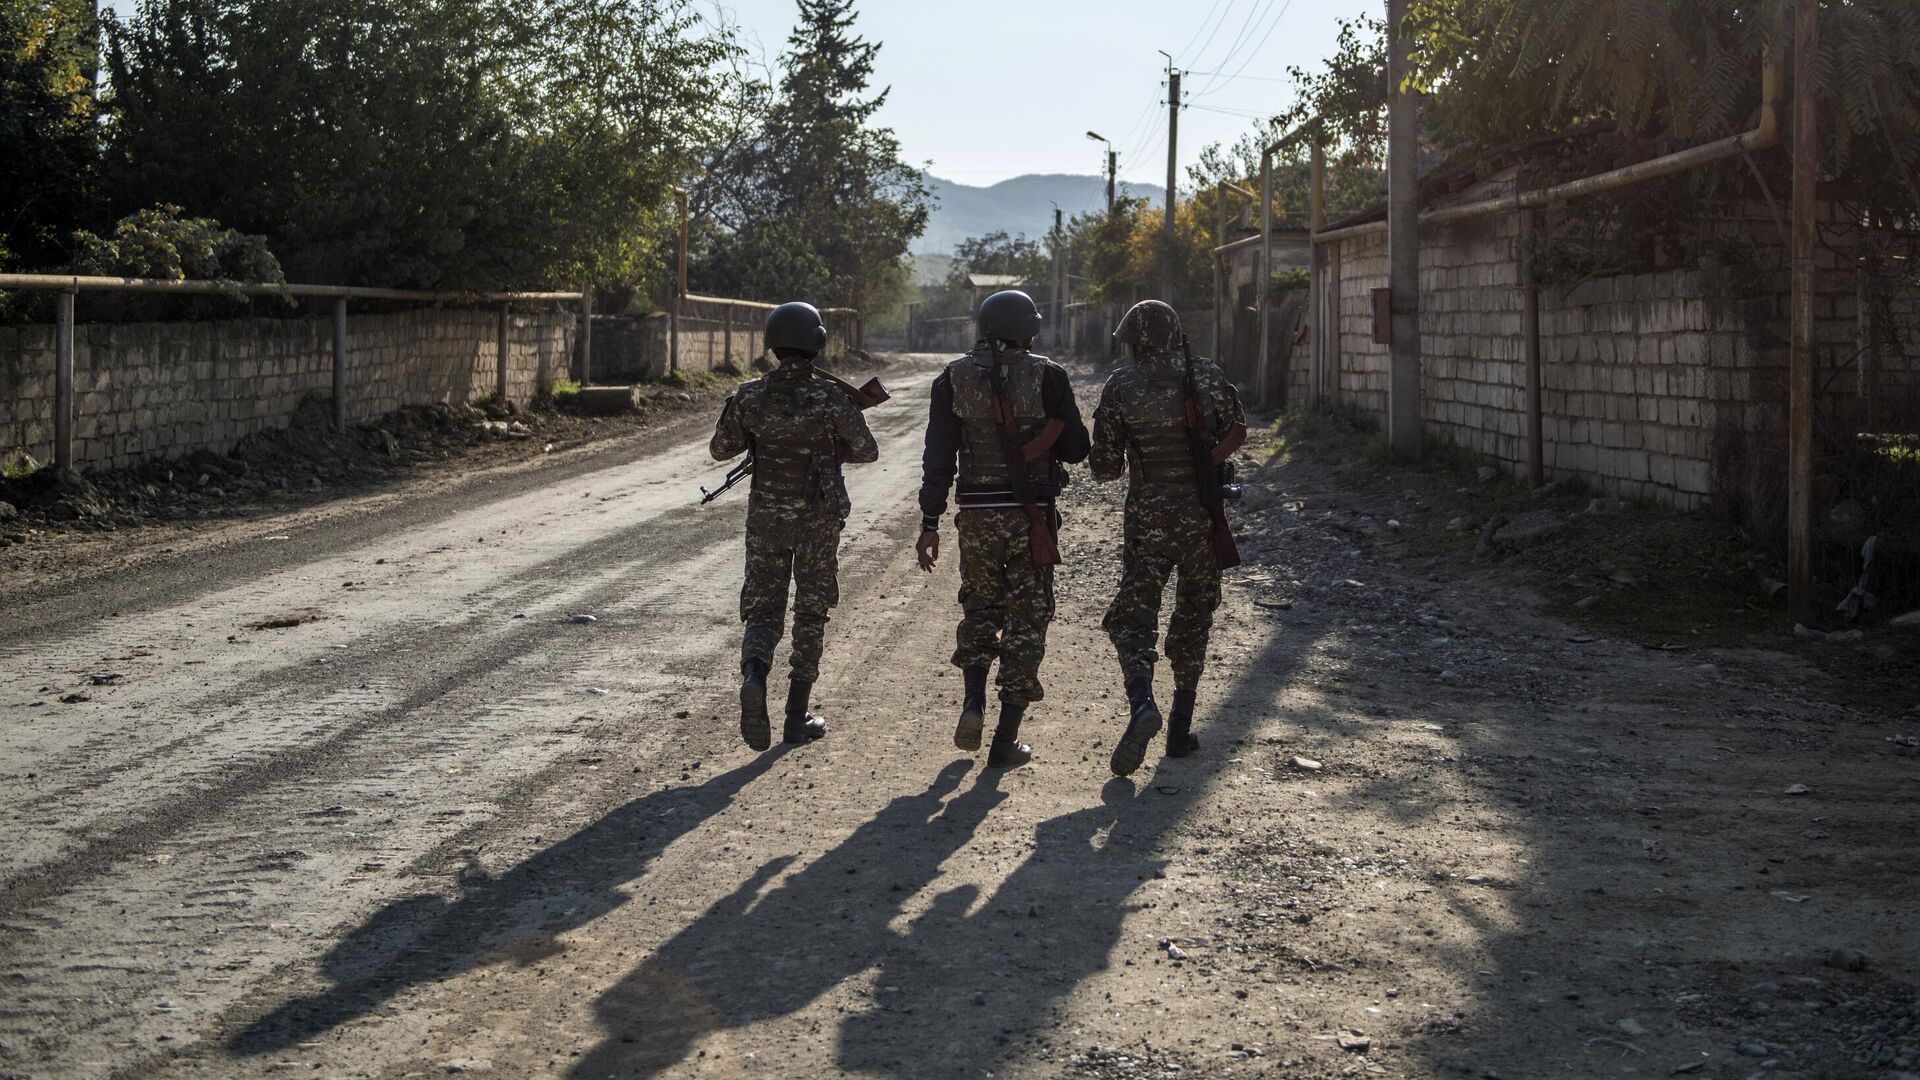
{"points": [[1007, 751], [1181, 740], [1142, 725], [802, 726], [754, 726], [973, 708]]}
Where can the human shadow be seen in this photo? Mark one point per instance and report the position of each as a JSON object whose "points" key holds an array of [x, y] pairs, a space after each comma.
{"points": [[969, 978], [510, 917], [751, 957]]}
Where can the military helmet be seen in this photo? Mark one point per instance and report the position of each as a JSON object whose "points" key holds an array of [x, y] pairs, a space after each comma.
{"points": [[796, 325], [1151, 324], [1010, 315]]}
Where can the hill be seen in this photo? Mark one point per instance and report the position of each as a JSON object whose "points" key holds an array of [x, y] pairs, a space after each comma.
{"points": [[1023, 204]]}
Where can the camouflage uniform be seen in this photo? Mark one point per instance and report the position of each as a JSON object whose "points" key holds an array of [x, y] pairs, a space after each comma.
{"points": [[800, 430], [1006, 600], [1139, 429]]}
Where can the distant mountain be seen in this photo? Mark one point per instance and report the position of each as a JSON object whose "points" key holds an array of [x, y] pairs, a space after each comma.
{"points": [[1023, 204]]}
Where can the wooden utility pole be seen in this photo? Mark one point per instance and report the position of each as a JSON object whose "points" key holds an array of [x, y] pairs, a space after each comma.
{"points": [[1173, 158], [1806, 149], [1316, 269], [1403, 245]]}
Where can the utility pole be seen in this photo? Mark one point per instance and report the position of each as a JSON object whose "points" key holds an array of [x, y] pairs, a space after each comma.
{"points": [[1403, 245], [1173, 158], [680, 288], [1806, 148], [1113, 167], [1059, 281]]}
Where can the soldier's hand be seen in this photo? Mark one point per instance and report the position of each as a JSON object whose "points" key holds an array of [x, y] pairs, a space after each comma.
{"points": [[928, 548]]}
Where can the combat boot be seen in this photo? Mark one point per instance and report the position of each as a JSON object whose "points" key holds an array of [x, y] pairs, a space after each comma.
{"points": [[973, 708], [1142, 725], [1007, 751], [802, 726], [754, 726], [1181, 740]]}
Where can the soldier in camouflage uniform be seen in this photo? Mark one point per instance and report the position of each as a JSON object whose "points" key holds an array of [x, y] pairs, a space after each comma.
{"points": [[1006, 594], [1140, 431], [800, 429]]}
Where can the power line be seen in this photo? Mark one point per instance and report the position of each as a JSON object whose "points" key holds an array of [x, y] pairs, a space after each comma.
{"points": [[1232, 112], [1203, 25], [1257, 12], [1216, 31], [1255, 52], [1244, 78]]}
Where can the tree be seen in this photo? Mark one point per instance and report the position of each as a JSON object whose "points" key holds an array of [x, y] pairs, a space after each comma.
{"points": [[433, 143], [48, 56], [820, 180]]}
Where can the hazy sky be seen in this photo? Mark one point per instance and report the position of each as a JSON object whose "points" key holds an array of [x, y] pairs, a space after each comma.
{"points": [[994, 88]]}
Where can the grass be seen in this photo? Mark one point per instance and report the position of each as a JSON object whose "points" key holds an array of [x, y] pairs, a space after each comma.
{"points": [[18, 466], [562, 387]]}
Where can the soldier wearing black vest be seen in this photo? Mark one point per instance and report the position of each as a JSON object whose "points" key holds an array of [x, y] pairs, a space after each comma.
{"points": [[1002, 425], [800, 429]]}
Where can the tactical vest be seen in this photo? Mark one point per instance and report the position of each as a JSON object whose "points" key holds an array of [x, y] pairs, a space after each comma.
{"points": [[794, 458], [983, 439], [1157, 436]]}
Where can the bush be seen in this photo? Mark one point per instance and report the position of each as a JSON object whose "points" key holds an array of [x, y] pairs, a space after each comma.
{"points": [[159, 243]]}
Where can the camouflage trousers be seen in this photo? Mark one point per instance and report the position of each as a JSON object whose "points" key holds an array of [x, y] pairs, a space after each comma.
{"points": [[1160, 540], [804, 551], [1006, 601]]}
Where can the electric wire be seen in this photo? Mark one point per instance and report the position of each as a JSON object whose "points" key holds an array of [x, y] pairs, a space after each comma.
{"points": [[1253, 54], [1256, 15]]}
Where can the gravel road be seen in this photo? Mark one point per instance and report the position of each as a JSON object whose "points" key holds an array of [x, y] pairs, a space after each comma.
{"points": [[347, 793]]}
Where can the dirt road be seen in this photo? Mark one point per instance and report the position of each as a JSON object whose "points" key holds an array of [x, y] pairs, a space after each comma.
{"points": [[347, 794]]}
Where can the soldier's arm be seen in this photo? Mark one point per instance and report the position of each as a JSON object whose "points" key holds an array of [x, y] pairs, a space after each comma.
{"points": [[940, 461], [1108, 456], [730, 434], [852, 437], [1056, 396]]}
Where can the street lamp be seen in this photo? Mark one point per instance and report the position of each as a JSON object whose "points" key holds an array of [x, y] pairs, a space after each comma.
{"points": [[1113, 162]]}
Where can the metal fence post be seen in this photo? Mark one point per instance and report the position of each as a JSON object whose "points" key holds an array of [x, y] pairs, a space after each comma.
{"points": [[500, 353], [340, 364], [586, 335], [63, 382], [1530, 352]]}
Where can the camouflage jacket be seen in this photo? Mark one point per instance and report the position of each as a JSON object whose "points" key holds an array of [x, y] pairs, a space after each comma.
{"points": [[1140, 426], [800, 429]]}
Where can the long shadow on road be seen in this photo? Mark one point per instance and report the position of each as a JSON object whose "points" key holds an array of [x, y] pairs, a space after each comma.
{"points": [[956, 990], [425, 938], [751, 957]]}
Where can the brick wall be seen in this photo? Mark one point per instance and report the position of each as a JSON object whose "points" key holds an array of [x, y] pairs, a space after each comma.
{"points": [[1642, 374], [163, 390]]}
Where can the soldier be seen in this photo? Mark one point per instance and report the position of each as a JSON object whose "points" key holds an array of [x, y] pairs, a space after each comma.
{"points": [[800, 429], [1002, 422], [1140, 429]]}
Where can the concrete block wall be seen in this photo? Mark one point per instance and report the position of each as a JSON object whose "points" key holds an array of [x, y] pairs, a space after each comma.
{"points": [[164, 390]]}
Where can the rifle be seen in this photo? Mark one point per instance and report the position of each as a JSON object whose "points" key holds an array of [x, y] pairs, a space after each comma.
{"points": [[1041, 546], [866, 396], [1206, 471]]}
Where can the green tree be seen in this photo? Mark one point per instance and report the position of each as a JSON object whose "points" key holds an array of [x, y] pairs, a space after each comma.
{"points": [[846, 204], [434, 143], [48, 55]]}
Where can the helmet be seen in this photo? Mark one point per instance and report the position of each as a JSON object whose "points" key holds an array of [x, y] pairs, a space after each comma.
{"points": [[796, 325], [1149, 323], [1010, 315]]}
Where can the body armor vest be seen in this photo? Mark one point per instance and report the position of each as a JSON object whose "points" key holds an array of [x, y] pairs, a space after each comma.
{"points": [[1157, 438], [794, 459], [983, 440]]}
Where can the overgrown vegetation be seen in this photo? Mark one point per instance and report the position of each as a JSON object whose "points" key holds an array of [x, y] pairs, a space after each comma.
{"points": [[451, 145]]}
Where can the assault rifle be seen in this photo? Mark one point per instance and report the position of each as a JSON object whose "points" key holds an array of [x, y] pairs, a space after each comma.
{"points": [[1214, 491], [866, 396], [1041, 546]]}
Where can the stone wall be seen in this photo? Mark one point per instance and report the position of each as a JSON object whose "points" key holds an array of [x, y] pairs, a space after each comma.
{"points": [[714, 336], [1645, 377], [164, 390]]}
